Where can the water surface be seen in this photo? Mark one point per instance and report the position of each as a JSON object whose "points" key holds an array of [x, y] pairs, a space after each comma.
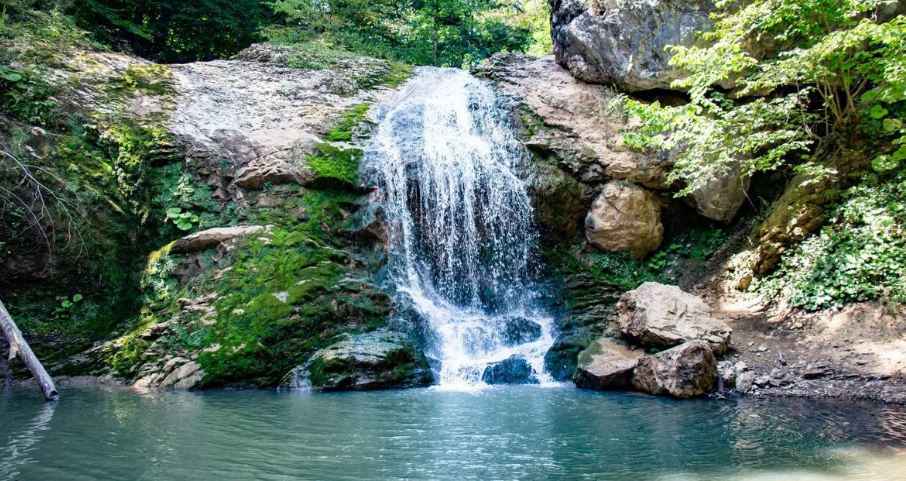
{"points": [[514, 432]]}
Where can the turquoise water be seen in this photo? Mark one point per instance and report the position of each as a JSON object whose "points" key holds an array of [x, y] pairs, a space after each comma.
{"points": [[514, 432]]}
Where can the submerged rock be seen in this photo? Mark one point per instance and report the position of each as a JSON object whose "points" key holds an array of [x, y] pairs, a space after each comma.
{"points": [[514, 370], [361, 362], [623, 43], [625, 218], [606, 364], [664, 316], [685, 371]]}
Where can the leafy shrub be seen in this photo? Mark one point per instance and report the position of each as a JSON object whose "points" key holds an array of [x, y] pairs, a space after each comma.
{"points": [[858, 256]]}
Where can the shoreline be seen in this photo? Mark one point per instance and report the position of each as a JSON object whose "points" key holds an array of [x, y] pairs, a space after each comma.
{"points": [[891, 391]]}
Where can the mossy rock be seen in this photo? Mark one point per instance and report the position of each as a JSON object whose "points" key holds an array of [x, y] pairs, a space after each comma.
{"points": [[364, 361]]}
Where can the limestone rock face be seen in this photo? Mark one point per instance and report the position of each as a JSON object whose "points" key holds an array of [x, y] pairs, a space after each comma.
{"points": [[606, 364], [251, 122], [625, 218], [622, 43], [721, 198], [663, 316], [685, 371], [361, 362]]}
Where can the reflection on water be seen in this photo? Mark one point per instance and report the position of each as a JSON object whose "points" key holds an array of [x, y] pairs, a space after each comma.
{"points": [[515, 432]]}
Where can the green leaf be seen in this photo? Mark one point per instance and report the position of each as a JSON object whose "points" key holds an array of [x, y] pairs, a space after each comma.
{"points": [[878, 112], [77, 298], [183, 225], [884, 163], [892, 125], [10, 75], [900, 154], [173, 212]]}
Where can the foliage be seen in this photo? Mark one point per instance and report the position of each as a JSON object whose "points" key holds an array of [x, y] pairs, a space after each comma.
{"points": [[183, 220], [26, 96], [174, 30], [422, 32], [804, 72], [858, 256]]}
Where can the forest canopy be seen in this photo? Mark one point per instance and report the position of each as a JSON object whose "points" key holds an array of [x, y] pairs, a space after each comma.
{"points": [[420, 32]]}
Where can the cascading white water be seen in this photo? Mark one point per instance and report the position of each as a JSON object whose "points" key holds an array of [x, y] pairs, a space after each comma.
{"points": [[461, 228]]}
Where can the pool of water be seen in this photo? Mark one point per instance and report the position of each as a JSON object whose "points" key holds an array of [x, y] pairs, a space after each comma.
{"points": [[516, 432]]}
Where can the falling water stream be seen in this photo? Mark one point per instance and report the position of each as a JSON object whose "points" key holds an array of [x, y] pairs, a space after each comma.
{"points": [[444, 159]]}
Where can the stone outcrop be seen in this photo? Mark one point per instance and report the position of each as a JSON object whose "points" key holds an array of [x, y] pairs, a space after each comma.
{"points": [[684, 371], [664, 316], [606, 364], [574, 136], [623, 43], [625, 218], [372, 360], [207, 239]]}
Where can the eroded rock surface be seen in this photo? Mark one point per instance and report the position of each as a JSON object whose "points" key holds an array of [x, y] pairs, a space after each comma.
{"points": [[684, 371], [625, 218], [606, 364], [664, 316], [623, 43]]}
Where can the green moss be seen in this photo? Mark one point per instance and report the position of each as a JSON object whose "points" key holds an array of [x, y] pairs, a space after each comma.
{"points": [[353, 116], [593, 349], [149, 79], [398, 75], [335, 167]]}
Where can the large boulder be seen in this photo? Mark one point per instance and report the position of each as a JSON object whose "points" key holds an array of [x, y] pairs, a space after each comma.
{"points": [[662, 317], [625, 218], [606, 364], [623, 43], [685, 371], [721, 198], [365, 361]]}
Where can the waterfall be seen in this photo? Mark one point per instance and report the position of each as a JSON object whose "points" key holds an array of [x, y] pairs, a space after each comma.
{"points": [[443, 159]]}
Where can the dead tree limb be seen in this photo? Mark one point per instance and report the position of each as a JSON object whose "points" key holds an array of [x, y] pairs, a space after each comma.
{"points": [[17, 345]]}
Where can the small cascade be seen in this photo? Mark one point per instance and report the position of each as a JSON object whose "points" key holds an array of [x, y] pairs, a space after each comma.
{"points": [[461, 229]]}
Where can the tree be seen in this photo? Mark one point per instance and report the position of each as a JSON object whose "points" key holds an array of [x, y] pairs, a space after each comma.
{"points": [[175, 30], [803, 73], [421, 32]]}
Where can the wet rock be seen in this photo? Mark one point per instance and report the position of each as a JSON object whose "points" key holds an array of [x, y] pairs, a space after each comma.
{"points": [[625, 218], [664, 316], [721, 198], [514, 370], [207, 239], [728, 373], [744, 381], [623, 43], [361, 362], [519, 330], [684, 371], [606, 364]]}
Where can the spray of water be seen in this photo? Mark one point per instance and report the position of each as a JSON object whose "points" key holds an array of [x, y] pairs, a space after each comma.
{"points": [[443, 160]]}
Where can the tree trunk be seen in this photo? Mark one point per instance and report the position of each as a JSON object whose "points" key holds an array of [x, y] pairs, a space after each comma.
{"points": [[17, 345]]}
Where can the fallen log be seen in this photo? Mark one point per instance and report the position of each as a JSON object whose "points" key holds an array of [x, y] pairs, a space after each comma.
{"points": [[18, 346]]}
